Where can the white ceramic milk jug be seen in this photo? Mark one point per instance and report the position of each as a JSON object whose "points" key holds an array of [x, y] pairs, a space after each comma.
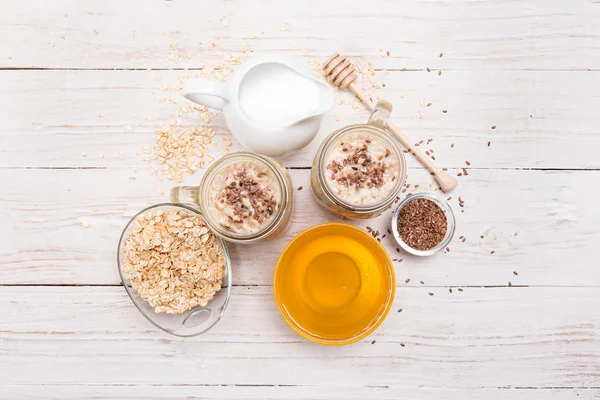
{"points": [[272, 104]]}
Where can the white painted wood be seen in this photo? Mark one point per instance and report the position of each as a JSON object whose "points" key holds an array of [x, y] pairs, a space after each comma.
{"points": [[537, 337], [50, 117], [228, 392], [533, 34], [557, 226], [531, 68]]}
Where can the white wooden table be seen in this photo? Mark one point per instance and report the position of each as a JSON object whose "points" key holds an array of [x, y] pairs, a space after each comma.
{"points": [[530, 68]]}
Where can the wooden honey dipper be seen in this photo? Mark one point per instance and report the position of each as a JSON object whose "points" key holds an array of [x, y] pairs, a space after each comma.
{"points": [[341, 74]]}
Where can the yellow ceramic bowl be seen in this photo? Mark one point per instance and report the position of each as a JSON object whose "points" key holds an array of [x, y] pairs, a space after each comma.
{"points": [[334, 284]]}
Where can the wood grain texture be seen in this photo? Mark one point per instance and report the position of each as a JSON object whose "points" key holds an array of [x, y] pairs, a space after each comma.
{"points": [[556, 223], [51, 117], [534, 34], [530, 68], [537, 337]]}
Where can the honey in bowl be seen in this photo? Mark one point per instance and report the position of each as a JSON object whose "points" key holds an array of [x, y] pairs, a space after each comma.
{"points": [[334, 284]]}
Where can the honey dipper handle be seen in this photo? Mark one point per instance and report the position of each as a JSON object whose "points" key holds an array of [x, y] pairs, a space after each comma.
{"points": [[446, 182]]}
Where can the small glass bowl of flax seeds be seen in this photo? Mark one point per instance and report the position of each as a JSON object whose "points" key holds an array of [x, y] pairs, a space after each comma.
{"points": [[423, 224]]}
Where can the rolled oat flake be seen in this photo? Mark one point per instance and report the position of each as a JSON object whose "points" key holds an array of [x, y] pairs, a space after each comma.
{"points": [[422, 224]]}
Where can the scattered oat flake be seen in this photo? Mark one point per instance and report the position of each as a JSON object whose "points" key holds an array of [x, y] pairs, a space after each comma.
{"points": [[102, 155], [129, 127], [134, 33], [100, 115], [148, 119], [286, 27], [225, 21], [337, 118], [120, 155], [85, 223], [84, 154], [161, 192], [226, 141], [419, 115]]}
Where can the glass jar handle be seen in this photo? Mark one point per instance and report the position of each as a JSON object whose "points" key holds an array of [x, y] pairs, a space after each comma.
{"points": [[381, 114], [185, 194]]}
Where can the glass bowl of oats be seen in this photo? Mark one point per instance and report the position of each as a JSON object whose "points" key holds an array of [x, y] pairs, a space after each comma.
{"points": [[359, 169], [175, 269], [244, 197]]}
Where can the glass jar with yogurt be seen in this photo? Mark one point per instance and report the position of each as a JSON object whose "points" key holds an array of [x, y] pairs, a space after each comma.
{"points": [[359, 169], [244, 197]]}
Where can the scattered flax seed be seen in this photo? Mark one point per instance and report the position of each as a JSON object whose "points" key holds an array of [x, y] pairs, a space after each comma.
{"points": [[450, 290], [444, 111], [299, 187], [431, 293], [373, 341], [493, 126], [399, 310], [467, 162], [402, 344], [516, 233], [428, 105], [421, 282], [460, 289], [100, 115], [448, 249], [515, 272], [452, 146], [132, 178], [509, 283], [492, 252], [441, 55], [398, 249], [481, 236], [439, 73], [406, 281], [428, 69], [489, 144]]}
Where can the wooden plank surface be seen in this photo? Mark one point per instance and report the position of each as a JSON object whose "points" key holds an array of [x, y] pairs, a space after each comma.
{"points": [[529, 68], [547, 210], [543, 333], [534, 34], [51, 117]]}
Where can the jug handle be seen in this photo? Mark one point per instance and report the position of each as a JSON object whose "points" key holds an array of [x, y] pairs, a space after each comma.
{"points": [[212, 94]]}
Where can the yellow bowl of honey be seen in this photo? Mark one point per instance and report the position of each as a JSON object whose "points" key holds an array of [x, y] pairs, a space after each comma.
{"points": [[334, 284]]}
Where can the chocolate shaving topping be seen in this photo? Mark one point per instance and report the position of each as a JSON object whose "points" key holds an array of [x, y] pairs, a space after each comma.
{"points": [[248, 198], [364, 171]]}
